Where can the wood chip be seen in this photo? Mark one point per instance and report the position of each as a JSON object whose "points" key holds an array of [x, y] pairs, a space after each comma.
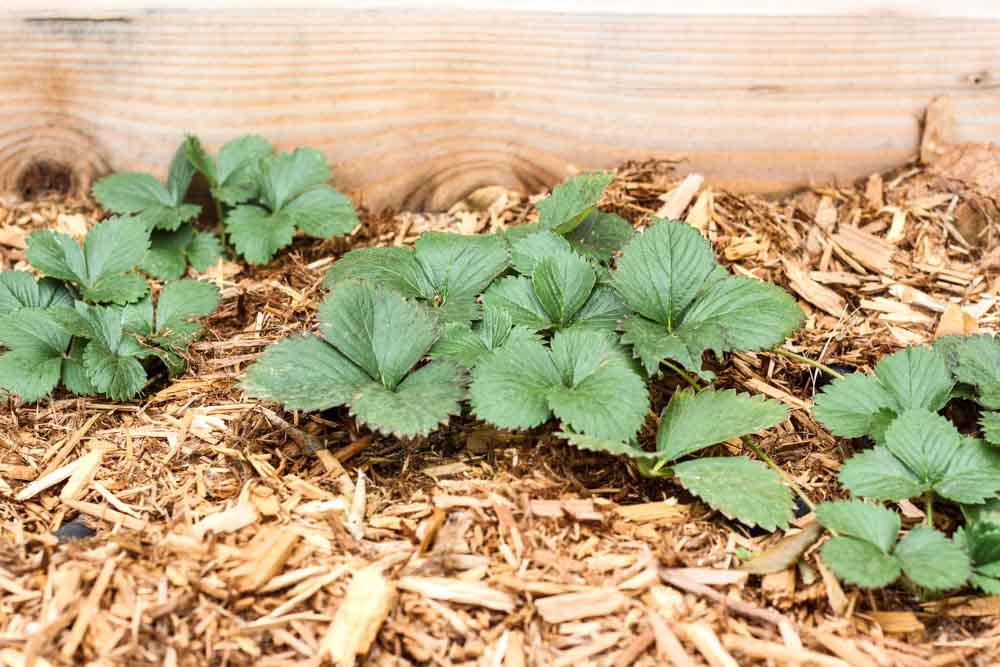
{"points": [[89, 609], [707, 642], [822, 297], [938, 129], [955, 321], [668, 646], [757, 648], [455, 590], [81, 478], [369, 599], [264, 557], [575, 606], [707, 576], [661, 511], [898, 622], [678, 199], [871, 251]]}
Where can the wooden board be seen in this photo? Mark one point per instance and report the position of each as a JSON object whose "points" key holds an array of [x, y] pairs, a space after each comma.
{"points": [[417, 107]]}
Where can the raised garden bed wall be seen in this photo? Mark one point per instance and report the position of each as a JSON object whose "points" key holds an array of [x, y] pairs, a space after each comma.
{"points": [[415, 108]]}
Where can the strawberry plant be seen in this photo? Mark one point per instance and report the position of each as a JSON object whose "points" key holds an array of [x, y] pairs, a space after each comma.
{"points": [[685, 303], [465, 344], [444, 271], [737, 486], [291, 195], [570, 212], [91, 323], [173, 241], [234, 177], [865, 550], [558, 289], [372, 340], [980, 538]]}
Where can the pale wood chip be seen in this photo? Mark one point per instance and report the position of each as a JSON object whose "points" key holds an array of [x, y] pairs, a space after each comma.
{"points": [[83, 475], [455, 590], [758, 385], [107, 514], [369, 599], [235, 518], [49, 480], [758, 648], [707, 642], [89, 608], [700, 214], [834, 593], [898, 622], [845, 649], [668, 646], [708, 576], [264, 557], [956, 321], [938, 129], [661, 511], [871, 251], [574, 606], [822, 297], [678, 199]]}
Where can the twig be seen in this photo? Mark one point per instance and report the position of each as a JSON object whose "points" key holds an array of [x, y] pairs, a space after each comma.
{"points": [[802, 359], [781, 471], [680, 371]]}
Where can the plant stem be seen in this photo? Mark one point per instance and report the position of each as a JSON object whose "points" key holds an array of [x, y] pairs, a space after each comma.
{"points": [[680, 371], [807, 361], [929, 509], [762, 455], [218, 215]]}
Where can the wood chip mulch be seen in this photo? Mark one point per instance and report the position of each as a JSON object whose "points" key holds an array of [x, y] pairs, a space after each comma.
{"points": [[222, 531]]}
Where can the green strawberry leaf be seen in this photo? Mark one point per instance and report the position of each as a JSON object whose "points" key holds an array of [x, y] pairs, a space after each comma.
{"points": [[652, 344], [979, 365], [860, 562], [424, 400], [285, 176], [37, 343], [322, 213], [528, 251], [740, 488], [600, 235], [464, 345], [515, 296], [119, 377], [458, 266], [630, 449], [179, 176], [510, 387], [853, 518], [931, 560], [981, 541], [258, 235], [204, 251], [600, 393], [304, 373], [988, 421], [166, 258], [917, 377], [876, 473], [364, 322], [662, 270], [396, 268], [849, 405], [603, 311], [19, 289], [571, 201], [693, 421], [562, 284], [74, 373]]}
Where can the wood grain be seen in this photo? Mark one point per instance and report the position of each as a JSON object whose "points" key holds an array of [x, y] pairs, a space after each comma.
{"points": [[416, 108]]}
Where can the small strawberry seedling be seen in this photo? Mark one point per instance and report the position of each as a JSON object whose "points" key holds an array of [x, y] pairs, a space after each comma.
{"points": [[372, 340]]}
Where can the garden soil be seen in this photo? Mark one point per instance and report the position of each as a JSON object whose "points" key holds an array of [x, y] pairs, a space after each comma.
{"points": [[218, 530]]}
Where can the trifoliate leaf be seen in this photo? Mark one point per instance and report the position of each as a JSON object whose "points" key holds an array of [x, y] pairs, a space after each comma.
{"points": [[119, 377], [37, 343], [510, 387], [459, 266], [960, 469], [155, 205], [419, 404], [600, 394], [304, 373], [876, 473], [652, 344], [988, 421], [516, 296], [285, 176], [179, 303], [495, 328], [740, 488], [917, 378], [258, 235], [740, 314], [563, 283], [396, 268], [853, 518], [600, 235], [365, 323], [662, 270], [233, 179], [571, 201], [931, 560], [848, 406], [979, 365], [464, 345], [527, 252], [101, 267], [322, 213], [693, 421], [860, 562], [19, 289]]}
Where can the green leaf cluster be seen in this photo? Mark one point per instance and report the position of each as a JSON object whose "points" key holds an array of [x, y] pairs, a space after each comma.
{"points": [[372, 340], [865, 550], [273, 196], [738, 487]]}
